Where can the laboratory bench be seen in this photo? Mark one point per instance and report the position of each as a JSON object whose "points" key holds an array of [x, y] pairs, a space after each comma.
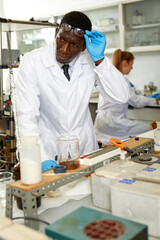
{"points": [[54, 207], [54, 214], [51, 215], [148, 113], [57, 213]]}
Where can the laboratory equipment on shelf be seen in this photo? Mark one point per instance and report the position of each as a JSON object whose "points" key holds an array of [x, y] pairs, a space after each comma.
{"points": [[149, 89]]}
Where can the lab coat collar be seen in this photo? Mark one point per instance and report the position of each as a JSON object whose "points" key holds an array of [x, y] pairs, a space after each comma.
{"points": [[49, 60], [49, 57]]}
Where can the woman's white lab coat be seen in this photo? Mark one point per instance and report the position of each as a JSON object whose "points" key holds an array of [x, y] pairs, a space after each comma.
{"points": [[111, 120], [49, 106]]}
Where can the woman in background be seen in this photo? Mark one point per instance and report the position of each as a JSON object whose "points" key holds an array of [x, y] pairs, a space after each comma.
{"points": [[111, 120]]}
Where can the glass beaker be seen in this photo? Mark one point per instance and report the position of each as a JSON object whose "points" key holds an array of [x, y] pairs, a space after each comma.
{"points": [[68, 151]]}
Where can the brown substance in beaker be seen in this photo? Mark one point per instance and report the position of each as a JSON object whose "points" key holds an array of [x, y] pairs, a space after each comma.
{"points": [[70, 164]]}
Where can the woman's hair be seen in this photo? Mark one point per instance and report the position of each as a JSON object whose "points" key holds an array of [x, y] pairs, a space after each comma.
{"points": [[77, 19], [120, 56]]}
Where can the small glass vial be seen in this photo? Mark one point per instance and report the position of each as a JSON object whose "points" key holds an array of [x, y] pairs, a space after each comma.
{"points": [[30, 160], [157, 134], [123, 161]]}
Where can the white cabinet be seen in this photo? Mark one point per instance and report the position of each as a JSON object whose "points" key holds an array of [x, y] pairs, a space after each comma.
{"points": [[132, 25], [107, 20], [142, 25]]}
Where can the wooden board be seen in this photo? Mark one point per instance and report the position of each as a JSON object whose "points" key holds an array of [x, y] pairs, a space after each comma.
{"points": [[45, 179], [132, 143]]}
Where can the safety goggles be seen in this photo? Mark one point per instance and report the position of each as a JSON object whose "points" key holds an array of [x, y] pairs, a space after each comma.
{"points": [[67, 28]]}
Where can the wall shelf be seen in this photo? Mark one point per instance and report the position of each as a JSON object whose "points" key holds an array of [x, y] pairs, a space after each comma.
{"points": [[9, 30], [152, 48], [144, 26]]}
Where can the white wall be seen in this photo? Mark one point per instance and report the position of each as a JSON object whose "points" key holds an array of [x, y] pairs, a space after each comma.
{"points": [[146, 69], [22, 10], [146, 65], [1, 8]]}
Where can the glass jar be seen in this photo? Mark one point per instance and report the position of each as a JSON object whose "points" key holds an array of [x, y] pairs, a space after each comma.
{"points": [[68, 151]]}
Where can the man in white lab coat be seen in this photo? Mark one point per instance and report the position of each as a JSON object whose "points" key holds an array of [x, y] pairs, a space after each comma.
{"points": [[48, 104]]}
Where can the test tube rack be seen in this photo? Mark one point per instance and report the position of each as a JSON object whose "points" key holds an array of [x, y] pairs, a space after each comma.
{"points": [[29, 193]]}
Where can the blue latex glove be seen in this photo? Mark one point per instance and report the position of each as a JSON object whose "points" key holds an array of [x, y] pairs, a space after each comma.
{"points": [[95, 44], [48, 164], [155, 95]]}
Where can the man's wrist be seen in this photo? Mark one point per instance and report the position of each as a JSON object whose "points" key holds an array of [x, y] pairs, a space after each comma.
{"points": [[99, 61]]}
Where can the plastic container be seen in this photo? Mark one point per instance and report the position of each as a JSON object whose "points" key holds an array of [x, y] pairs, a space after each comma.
{"points": [[123, 161], [68, 151], [17, 177], [157, 134], [30, 160], [123, 156]]}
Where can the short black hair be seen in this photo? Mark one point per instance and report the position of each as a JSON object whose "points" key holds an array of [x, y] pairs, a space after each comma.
{"points": [[77, 19]]}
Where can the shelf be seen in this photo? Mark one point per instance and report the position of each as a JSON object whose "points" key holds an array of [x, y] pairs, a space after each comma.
{"points": [[144, 48], [11, 31], [144, 26], [110, 50], [111, 28], [17, 25]]}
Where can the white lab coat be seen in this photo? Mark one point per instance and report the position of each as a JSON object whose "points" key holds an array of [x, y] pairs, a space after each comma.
{"points": [[111, 120], [50, 106]]}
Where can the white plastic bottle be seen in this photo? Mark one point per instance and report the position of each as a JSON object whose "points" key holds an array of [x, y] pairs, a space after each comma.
{"points": [[30, 160], [123, 161], [157, 134]]}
